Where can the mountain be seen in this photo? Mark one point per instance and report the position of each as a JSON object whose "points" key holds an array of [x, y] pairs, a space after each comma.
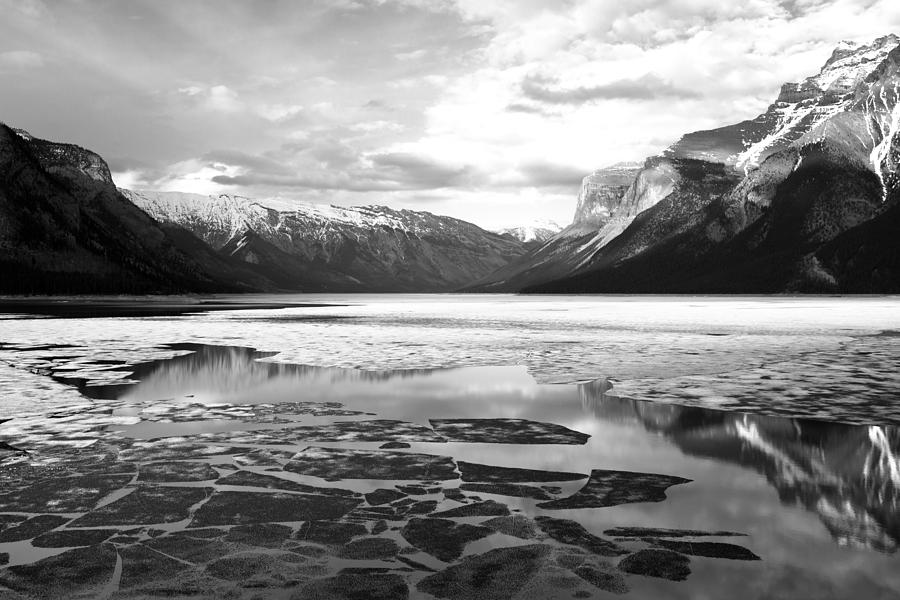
{"points": [[533, 234], [601, 194], [329, 248], [802, 198], [64, 228]]}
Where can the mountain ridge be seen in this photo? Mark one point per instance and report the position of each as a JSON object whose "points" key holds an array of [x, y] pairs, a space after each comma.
{"points": [[331, 248], [751, 207]]}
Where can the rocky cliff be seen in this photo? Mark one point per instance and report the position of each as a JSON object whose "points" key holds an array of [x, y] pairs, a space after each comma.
{"points": [[600, 195], [599, 199]]}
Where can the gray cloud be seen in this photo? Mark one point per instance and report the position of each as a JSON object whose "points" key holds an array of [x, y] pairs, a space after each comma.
{"points": [[126, 163], [646, 87], [419, 172], [324, 181], [528, 109], [386, 172], [20, 59], [248, 161], [551, 175]]}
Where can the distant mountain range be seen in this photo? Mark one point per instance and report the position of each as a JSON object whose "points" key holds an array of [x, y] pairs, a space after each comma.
{"points": [[328, 248], [533, 234], [803, 198]]}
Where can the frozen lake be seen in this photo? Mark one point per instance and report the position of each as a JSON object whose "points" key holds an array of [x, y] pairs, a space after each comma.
{"points": [[805, 356], [656, 447]]}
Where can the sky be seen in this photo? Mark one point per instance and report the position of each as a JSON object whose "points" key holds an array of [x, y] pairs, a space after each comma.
{"points": [[489, 111]]}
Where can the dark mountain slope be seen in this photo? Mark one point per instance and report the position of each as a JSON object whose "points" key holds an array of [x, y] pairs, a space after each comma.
{"points": [[866, 259], [64, 228]]}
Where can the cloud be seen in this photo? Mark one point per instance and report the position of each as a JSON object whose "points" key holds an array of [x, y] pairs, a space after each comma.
{"points": [[125, 163], [543, 174], [222, 98], [279, 112], [521, 107], [420, 172], [380, 125], [28, 9], [250, 162], [646, 87], [375, 173], [411, 55], [21, 59], [217, 98]]}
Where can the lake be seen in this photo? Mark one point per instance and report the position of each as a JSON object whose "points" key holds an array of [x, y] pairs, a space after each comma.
{"points": [[451, 446]]}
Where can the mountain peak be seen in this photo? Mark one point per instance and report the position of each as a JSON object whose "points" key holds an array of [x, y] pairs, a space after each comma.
{"points": [[799, 109], [335, 248], [849, 64], [847, 48], [536, 231]]}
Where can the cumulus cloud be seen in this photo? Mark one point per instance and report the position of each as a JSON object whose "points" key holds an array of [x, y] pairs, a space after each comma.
{"points": [[646, 87], [248, 162], [419, 172], [529, 109], [372, 173], [543, 174], [221, 98], [279, 112], [20, 59]]}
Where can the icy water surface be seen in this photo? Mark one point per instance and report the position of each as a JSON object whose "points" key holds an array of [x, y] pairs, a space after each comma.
{"points": [[162, 467]]}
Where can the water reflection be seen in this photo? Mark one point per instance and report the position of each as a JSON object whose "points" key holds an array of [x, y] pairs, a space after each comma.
{"points": [[849, 476], [220, 373]]}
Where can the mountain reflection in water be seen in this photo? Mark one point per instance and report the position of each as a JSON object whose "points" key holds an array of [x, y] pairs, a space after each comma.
{"points": [[849, 476]]}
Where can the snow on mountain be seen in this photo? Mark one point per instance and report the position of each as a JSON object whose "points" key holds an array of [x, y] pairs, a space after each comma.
{"points": [[538, 231], [798, 109], [223, 217], [360, 248], [845, 101]]}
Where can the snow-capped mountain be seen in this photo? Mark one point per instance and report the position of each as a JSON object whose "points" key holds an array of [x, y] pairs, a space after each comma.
{"points": [[533, 233], [803, 197], [318, 248]]}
